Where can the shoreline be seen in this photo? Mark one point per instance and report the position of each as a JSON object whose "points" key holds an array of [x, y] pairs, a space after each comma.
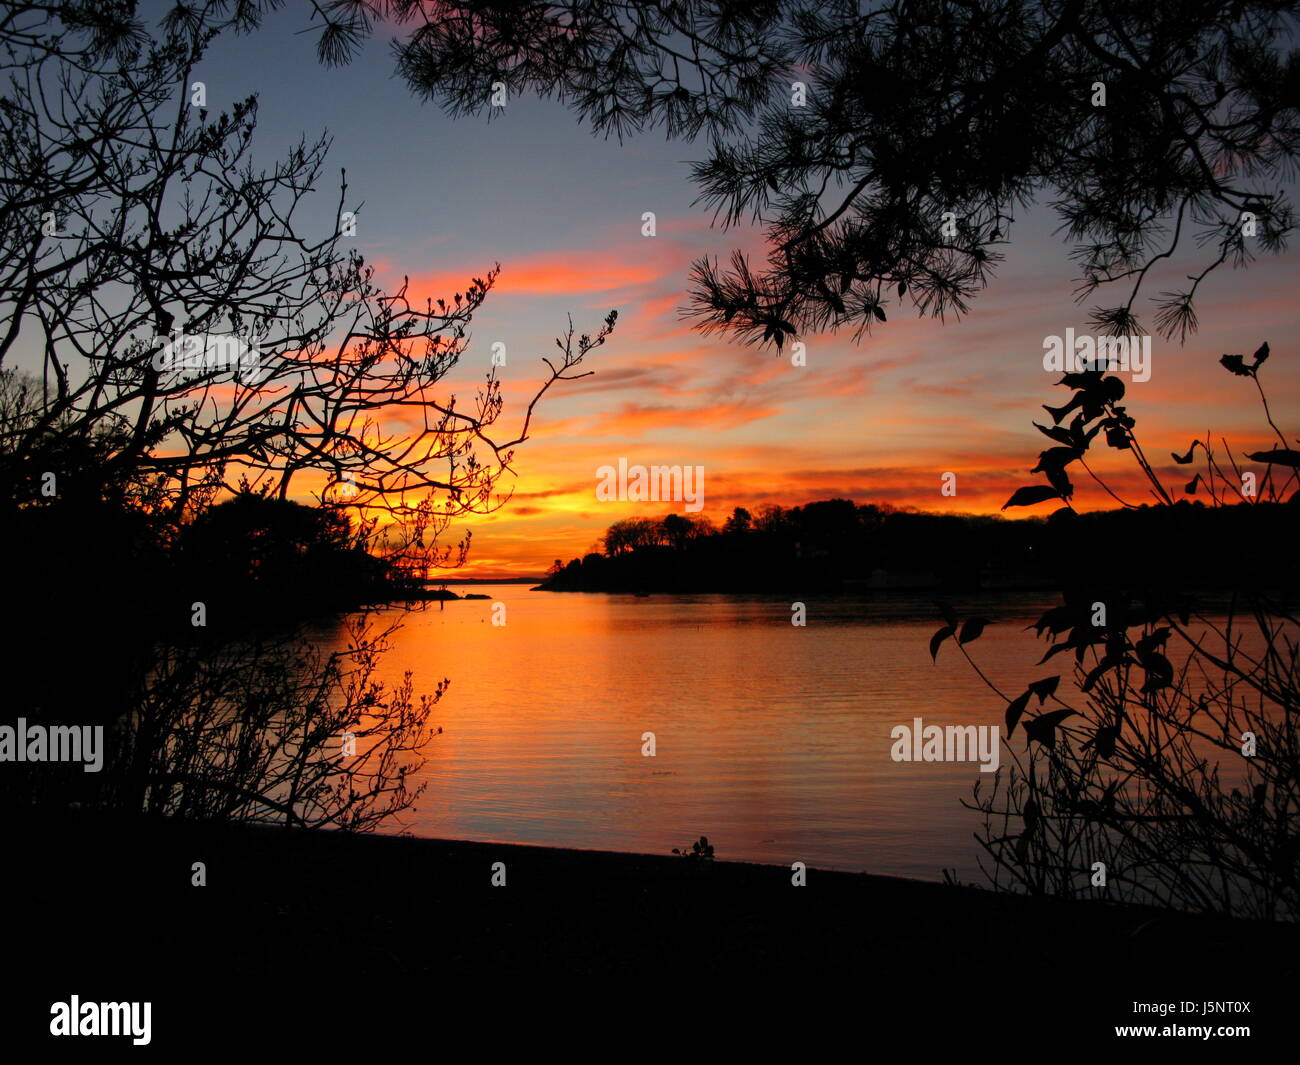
{"points": [[463, 867], [420, 916]]}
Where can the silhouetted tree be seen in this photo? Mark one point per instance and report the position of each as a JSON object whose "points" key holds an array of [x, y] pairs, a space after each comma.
{"points": [[170, 332], [254, 556], [739, 522], [179, 314], [676, 529], [886, 149]]}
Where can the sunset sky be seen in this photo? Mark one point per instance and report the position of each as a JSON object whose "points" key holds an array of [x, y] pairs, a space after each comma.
{"points": [[875, 421]]}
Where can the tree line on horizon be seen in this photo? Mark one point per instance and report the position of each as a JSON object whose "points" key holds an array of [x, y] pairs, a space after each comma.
{"points": [[836, 544]]}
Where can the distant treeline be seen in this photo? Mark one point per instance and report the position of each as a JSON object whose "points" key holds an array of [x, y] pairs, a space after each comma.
{"points": [[836, 545]]}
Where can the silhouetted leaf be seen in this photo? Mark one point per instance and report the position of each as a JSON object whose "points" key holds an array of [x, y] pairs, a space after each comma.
{"points": [[1058, 619], [879, 312], [1107, 663], [1105, 739], [1058, 413], [945, 609], [1058, 433], [1160, 673], [1014, 709], [1279, 456], [1060, 480], [1022, 848], [1236, 364], [1117, 437], [972, 629], [1043, 727], [936, 641], [1078, 380], [1031, 494], [1057, 648], [1183, 460], [1045, 687], [1030, 813], [1261, 354], [1152, 640], [1056, 458], [1190, 487]]}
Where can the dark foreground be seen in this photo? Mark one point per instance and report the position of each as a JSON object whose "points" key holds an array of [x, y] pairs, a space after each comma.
{"points": [[321, 941]]}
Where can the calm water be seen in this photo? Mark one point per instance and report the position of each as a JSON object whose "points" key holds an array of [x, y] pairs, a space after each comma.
{"points": [[772, 740]]}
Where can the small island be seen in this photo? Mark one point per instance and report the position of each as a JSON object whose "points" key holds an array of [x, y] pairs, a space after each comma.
{"points": [[837, 546]]}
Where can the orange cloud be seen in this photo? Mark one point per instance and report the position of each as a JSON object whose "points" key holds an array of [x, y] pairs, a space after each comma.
{"points": [[632, 419], [581, 272]]}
